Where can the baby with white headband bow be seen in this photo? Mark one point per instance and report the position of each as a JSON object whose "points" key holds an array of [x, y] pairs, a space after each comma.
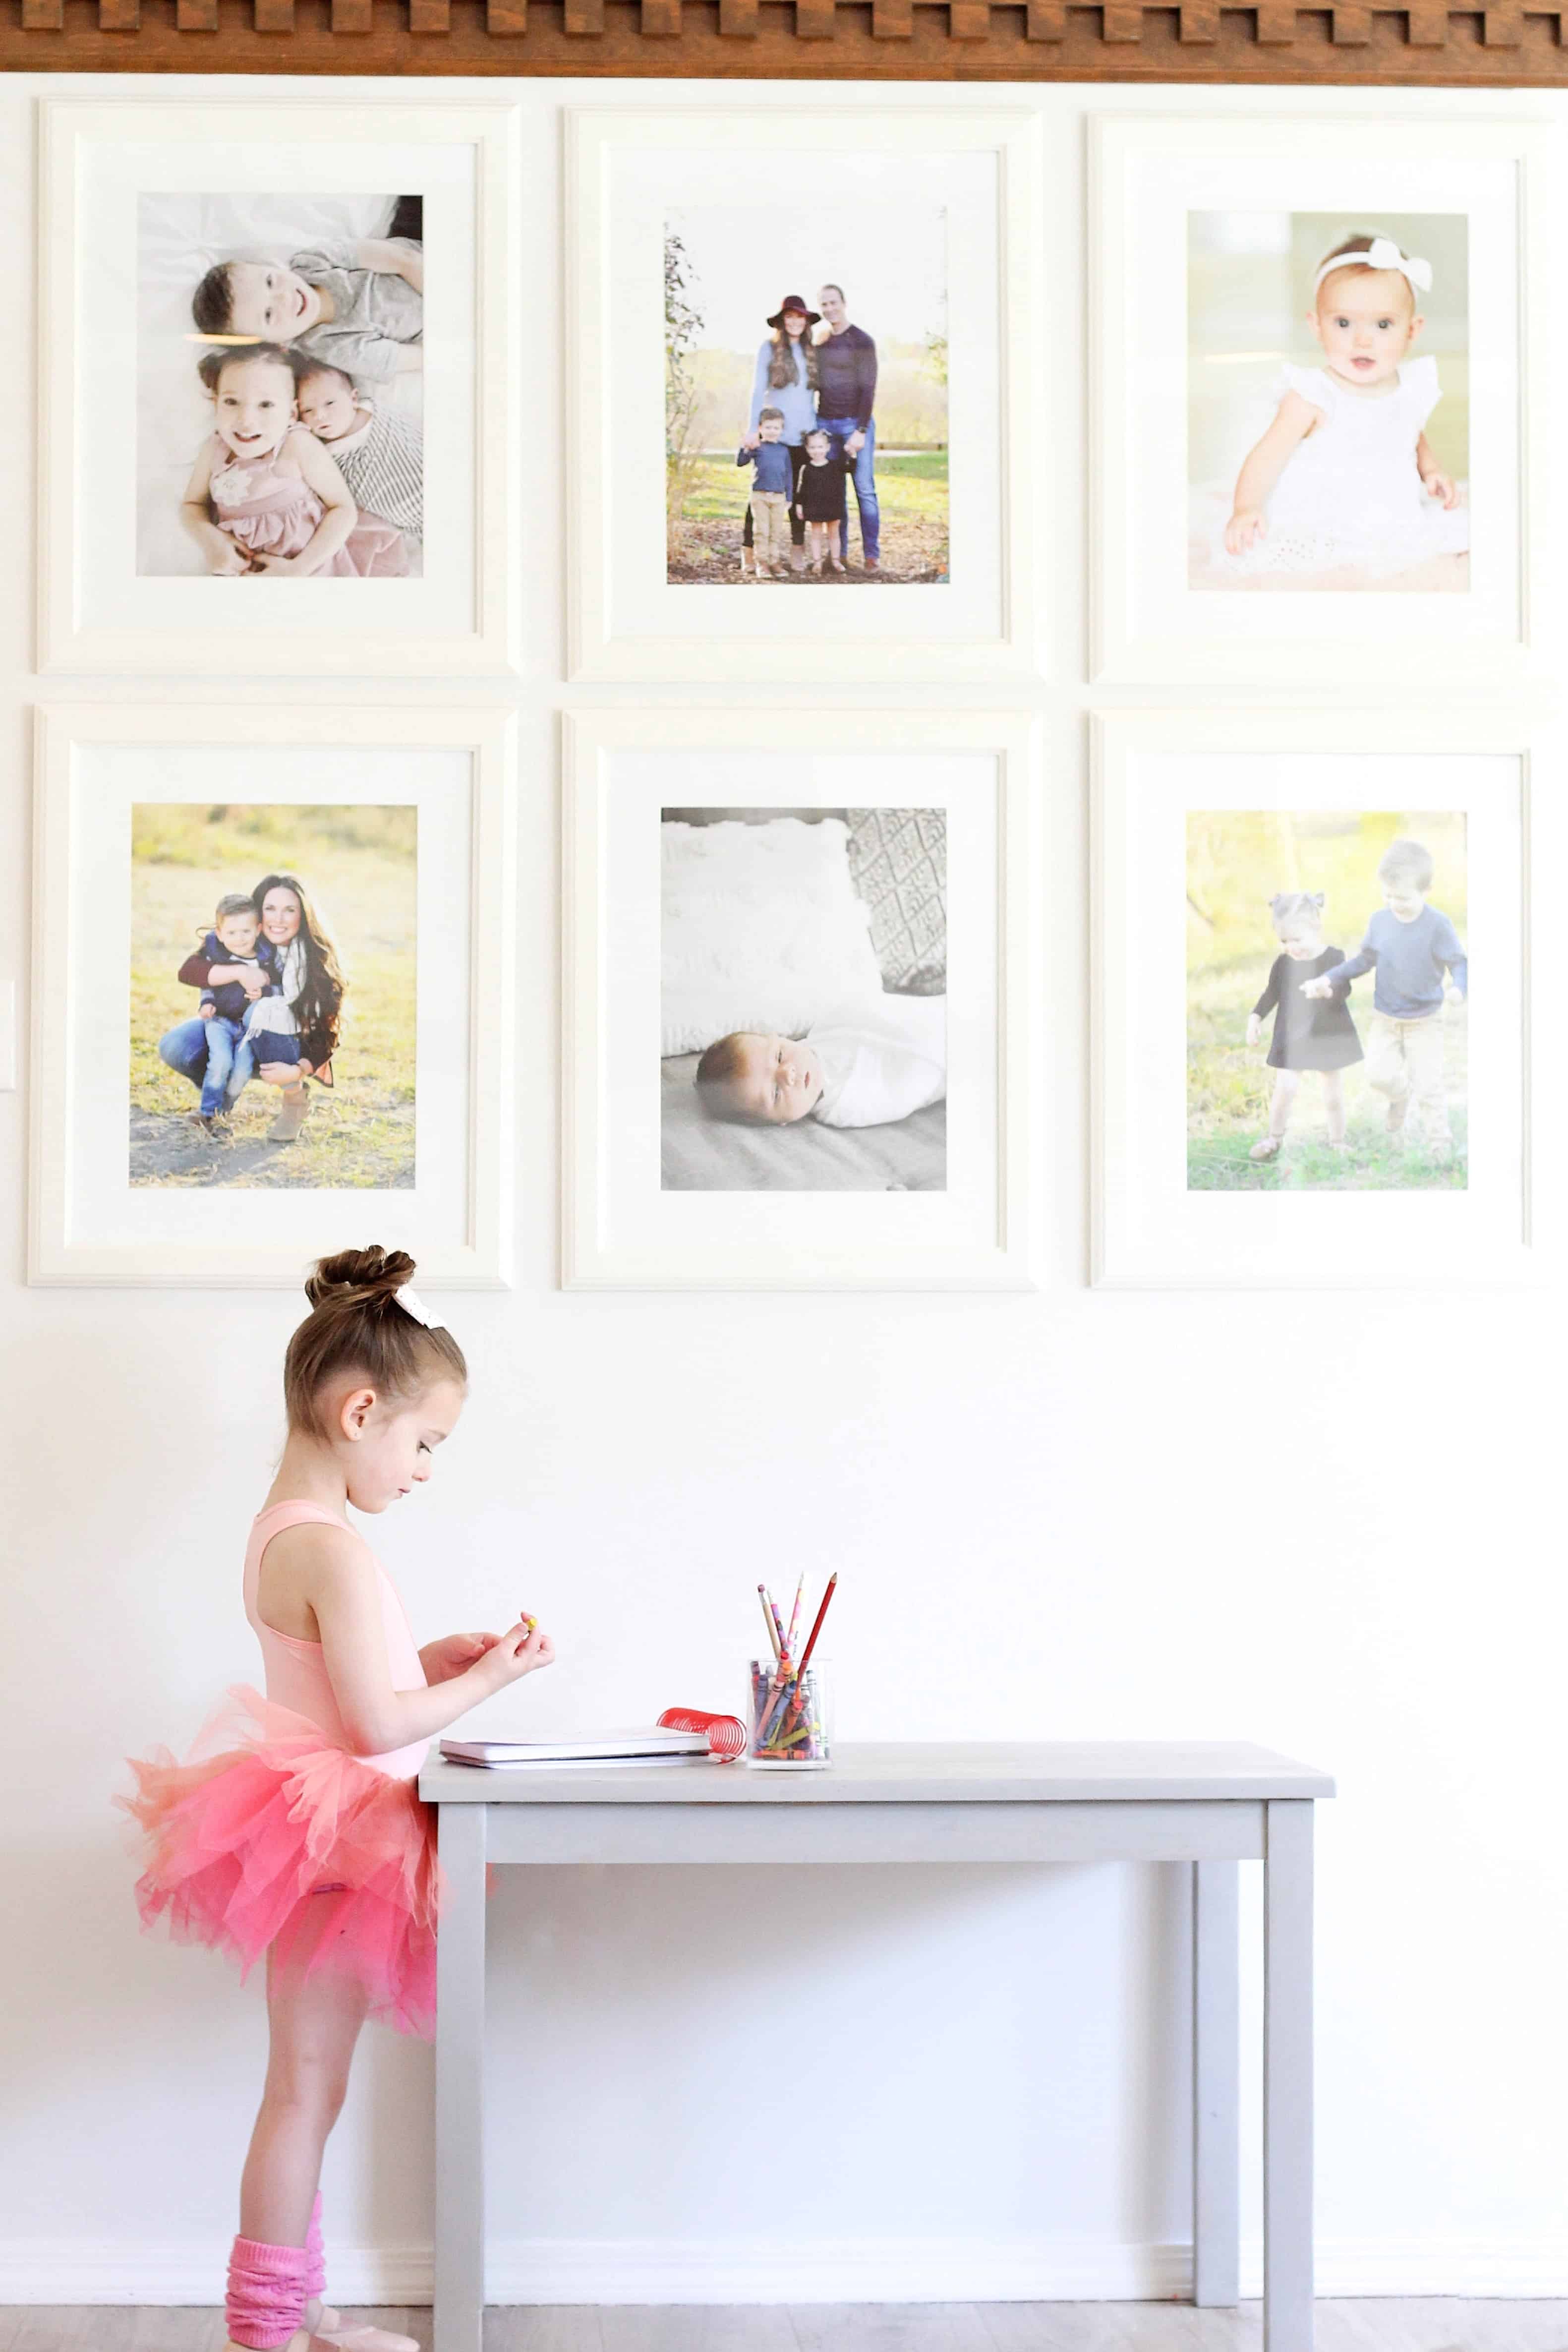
{"points": [[1344, 489]]}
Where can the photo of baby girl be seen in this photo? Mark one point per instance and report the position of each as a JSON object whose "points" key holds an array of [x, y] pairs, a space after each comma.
{"points": [[804, 1000], [1328, 403], [280, 404], [1327, 981], [272, 995]]}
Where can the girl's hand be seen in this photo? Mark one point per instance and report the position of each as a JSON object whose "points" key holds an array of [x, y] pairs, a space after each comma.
{"points": [[227, 562], [1254, 1028], [280, 1074], [278, 563], [1244, 529], [1316, 987], [1438, 486], [453, 1655], [515, 1653]]}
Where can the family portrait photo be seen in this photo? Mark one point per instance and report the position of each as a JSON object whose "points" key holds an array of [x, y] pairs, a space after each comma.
{"points": [[806, 387], [272, 995], [1327, 986], [1328, 401], [280, 399], [803, 999]]}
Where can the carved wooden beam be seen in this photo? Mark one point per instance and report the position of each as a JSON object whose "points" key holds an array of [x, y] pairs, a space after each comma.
{"points": [[1510, 43]]}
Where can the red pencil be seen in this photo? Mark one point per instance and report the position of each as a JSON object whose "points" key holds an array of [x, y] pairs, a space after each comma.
{"points": [[811, 1637]]}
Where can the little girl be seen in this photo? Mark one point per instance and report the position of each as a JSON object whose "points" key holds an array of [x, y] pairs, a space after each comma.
{"points": [[294, 1827], [1307, 1035], [1345, 481], [263, 495]]}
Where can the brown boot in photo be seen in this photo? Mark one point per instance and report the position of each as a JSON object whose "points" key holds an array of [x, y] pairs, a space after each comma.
{"points": [[291, 1110]]}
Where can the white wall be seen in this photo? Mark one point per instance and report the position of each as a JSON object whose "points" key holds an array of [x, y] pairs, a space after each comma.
{"points": [[1329, 1523]]}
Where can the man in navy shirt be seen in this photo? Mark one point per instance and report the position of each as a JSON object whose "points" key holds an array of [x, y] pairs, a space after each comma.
{"points": [[846, 394]]}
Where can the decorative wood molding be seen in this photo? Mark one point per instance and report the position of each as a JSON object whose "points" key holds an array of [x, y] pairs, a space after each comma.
{"points": [[1511, 43]]}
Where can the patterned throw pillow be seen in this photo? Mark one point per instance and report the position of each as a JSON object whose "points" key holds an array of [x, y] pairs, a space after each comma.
{"points": [[898, 862]]}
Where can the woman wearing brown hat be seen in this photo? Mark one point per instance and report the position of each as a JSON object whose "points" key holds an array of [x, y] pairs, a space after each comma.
{"points": [[786, 379]]}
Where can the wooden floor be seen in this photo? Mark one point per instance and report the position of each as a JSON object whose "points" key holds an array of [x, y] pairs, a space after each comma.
{"points": [[1439, 2324]]}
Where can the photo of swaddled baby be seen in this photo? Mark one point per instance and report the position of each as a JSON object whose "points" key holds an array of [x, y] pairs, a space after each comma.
{"points": [[804, 1007], [280, 387]]}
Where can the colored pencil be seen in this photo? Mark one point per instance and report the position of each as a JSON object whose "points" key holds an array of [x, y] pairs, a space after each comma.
{"points": [[811, 1640], [768, 1620], [778, 1628], [795, 1613]]}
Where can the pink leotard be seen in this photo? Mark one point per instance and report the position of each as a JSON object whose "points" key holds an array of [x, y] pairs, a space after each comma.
{"points": [[297, 1673]]}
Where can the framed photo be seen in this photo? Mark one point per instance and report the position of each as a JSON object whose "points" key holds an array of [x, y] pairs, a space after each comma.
{"points": [[310, 304], [265, 1022], [801, 430], [797, 991], [1294, 1085], [1321, 432]]}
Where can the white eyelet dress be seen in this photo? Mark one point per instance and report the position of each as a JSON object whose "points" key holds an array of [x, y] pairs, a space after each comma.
{"points": [[1350, 495]]}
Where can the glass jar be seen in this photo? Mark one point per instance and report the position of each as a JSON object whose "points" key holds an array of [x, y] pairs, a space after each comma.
{"points": [[788, 1719]]}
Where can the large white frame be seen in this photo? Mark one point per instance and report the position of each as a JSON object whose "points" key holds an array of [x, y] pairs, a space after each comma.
{"points": [[344, 627], [1147, 172], [777, 1240], [461, 1233], [616, 424], [1149, 1230]]}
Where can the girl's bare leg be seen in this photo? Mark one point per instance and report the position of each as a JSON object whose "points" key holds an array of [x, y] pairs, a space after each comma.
{"points": [[314, 2026], [1333, 1106], [1281, 1102]]}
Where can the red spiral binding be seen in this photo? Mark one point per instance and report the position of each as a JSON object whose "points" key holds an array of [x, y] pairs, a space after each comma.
{"points": [[726, 1733]]}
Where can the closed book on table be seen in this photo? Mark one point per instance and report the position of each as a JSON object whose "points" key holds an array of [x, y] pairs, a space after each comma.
{"points": [[592, 1748]]}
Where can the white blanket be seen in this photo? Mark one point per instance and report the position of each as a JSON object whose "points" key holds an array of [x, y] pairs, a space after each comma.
{"points": [[882, 1061], [179, 238]]}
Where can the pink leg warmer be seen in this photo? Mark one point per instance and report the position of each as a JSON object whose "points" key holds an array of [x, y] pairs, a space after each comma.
{"points": [[315, 2253], [265, 2304]]}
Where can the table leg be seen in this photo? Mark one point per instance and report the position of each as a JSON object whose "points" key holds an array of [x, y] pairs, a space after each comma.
{"points": [[1288, 2076], [1216, 2085], [458, 2320]]}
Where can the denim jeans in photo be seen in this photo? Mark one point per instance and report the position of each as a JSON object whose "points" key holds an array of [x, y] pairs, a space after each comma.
{"points": [[841, 427], [185, 1048], [230, 1063]]}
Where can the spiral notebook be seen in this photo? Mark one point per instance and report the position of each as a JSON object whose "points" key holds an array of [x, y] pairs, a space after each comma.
{"points": [[652, 1746]]}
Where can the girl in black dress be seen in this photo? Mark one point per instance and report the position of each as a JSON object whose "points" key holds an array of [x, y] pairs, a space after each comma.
{"points": [[820, 499], [1309, 1034]]}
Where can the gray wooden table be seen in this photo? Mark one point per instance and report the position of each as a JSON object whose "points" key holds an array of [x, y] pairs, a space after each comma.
{"points": [[1209, 1804]]}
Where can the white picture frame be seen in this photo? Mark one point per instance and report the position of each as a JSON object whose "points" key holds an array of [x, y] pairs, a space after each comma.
{"points": [[620, 1230], [626, 620], [96, 610], [1148, 174], [1152, 767], [94, 763]]}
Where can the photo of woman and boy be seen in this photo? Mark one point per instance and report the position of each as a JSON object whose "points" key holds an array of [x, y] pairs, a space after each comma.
{"points": [[287, 398], [1304, 1080], [287, 1030], [839, 412], [1328, 425]]}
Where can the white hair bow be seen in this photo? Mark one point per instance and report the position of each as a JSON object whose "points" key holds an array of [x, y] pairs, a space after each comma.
{"points": [[412, 1304], [1381, 254]]}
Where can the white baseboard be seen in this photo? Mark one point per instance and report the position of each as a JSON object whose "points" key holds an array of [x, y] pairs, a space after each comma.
{"points": [[743, 2270]]}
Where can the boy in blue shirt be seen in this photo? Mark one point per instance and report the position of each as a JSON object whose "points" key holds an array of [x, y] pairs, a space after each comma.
{"points": [[1411, 945], [772, 488]]}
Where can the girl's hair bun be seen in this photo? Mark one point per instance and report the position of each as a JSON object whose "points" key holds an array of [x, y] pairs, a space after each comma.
{"points": [[360, 1274], [355, 1330]]}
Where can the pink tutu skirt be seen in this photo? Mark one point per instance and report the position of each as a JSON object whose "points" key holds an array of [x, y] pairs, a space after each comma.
{"points": [[267, 1837]]}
